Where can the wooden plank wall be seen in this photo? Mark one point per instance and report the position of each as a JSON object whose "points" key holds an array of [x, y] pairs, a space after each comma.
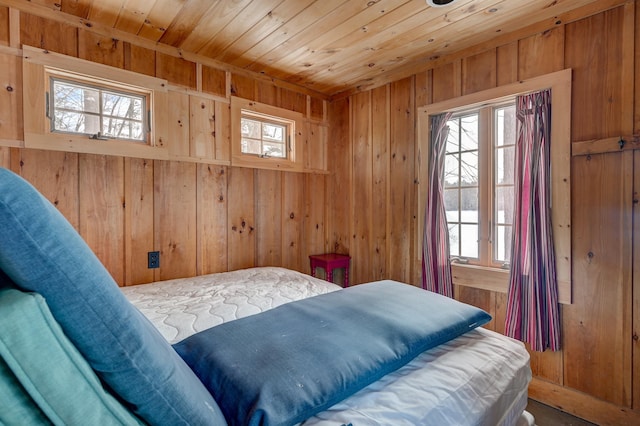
{"points": [[594, 374], [202, 218]]}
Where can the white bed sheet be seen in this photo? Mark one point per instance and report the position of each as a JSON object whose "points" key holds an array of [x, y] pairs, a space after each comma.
{"points": [[479, 378]]}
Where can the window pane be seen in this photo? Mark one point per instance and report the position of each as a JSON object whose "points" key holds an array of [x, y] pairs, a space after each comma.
{"points": [[469, 241], [451, 205], [469, 132], [451, 171], [273, 150], [122, 129], [272, 132], [502, 243], [469, 205], [73, 97], [250, 128], [505, 122], [66, 121], [122, 106], [505, 163], [251, 146], [469, 168], [454, 240], [453, 144], [504, 205]]}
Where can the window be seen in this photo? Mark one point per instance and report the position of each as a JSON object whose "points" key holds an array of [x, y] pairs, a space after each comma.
{"points": [[264, 136], [478, 181], [80, 106], [100, 112]]}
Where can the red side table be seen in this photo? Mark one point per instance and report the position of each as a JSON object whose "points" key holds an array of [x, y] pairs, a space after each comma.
{"points": [[329, 262]]}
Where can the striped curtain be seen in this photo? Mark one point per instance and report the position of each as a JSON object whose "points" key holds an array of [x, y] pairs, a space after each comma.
{"points": [[436, 267], [532, 305]]}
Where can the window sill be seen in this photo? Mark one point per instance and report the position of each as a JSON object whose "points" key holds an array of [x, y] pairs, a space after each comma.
{"points": [[496, 279], [482, 277]]}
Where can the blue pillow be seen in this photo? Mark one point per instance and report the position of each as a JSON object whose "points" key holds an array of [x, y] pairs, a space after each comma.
{"points": [[282, 366], [41, 252]]}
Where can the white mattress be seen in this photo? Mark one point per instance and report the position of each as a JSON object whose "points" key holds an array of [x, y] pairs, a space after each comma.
{"points": [[479, 378]]}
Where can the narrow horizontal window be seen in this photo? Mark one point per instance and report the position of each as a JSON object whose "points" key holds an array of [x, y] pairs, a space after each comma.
{"points": [[96, 111]]}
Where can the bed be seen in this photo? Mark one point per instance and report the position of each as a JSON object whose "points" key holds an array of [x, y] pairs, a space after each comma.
{"points": [[77, 349], [479, 378]]}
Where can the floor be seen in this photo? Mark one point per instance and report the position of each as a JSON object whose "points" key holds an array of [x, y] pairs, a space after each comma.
{"points": [[548, 416]]}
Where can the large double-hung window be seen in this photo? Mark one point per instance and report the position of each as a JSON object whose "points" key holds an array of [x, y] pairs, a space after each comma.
{"points": [[478, 184]]}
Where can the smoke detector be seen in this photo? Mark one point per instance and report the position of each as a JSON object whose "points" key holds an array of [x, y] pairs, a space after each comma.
{"points": [[440, 3]]}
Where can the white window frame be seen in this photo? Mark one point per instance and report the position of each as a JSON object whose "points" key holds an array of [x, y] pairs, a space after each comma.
{"points": [[486, 188], [496, 279], [293, 121], [54, 76], [40, 65]]}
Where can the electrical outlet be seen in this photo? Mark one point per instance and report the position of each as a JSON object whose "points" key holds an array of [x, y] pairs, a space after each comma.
{"points": [[153, 259]]}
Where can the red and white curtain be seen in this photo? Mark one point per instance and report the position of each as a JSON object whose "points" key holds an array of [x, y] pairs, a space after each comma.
{"points": [[532, 306], [436, 266]]}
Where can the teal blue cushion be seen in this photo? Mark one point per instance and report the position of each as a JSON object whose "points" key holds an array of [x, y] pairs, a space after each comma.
{"points": [[50, 369], [41, 252], [16, 406]]}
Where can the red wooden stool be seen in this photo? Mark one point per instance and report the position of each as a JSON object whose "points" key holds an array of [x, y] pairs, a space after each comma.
{"points": [[329, 262]]}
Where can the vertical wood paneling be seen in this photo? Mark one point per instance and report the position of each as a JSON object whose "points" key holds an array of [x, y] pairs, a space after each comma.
{"points": [[265, 92], [140, 60], [202, 132], [178, 126], [315, 147], [483, 299], [175, 218], [292, 220], [380, 140], [635, 386], [241, 223], [541, 54], [11, 123], [223, 131], [447, 81], [176, 70], [314, 240], [5, 157], [362, 187], [55, 175], [268, 217], [507, 64], [243, 87], [4, 25], [401, 180], [596, 328], [214, 81], [101, 206], [479, 72], [293, 101], [104, 50], [316, 108], [339, 164], [139, 220], [212, 218], [50, 35], [594, 51], [424, 89]]}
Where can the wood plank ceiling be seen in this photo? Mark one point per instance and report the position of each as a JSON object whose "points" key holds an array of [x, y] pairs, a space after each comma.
{"points": [[327, 46]]}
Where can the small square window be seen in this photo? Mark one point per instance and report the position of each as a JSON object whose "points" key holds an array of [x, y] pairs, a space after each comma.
{"points": [[264, 136]]}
